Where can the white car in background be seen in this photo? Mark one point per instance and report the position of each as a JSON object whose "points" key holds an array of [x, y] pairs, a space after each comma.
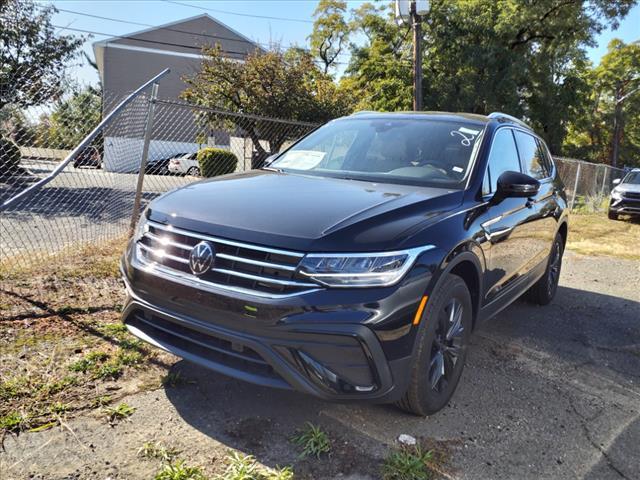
{"points": [[186, 164]]}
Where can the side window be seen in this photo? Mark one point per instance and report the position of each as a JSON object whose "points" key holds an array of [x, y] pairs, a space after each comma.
{"points": [[531, 155], [503, 158], [546, 155]]}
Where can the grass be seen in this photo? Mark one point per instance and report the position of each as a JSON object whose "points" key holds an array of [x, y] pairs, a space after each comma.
{"points": [[179, 471], [245, 467], [12, 422], [595, 234], [408, 463], [313, 440], [154, 450], [120, 412]]}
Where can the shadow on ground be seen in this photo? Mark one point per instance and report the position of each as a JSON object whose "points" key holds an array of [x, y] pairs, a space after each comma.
{"points": [[548, 392]]}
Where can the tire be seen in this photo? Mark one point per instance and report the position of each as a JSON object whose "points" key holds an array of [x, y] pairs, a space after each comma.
{"points": [[543, 291], [442, 344], [194, 171], [612, 215]]}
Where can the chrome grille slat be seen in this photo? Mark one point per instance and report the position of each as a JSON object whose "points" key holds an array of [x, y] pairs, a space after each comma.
{"points": [[154, 252], [255, 262], [259, 278], [179, 231], [237, 266], [167, 241]]}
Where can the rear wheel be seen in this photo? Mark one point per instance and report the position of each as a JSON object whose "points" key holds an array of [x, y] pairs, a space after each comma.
{"points": [[445, 330], [194, 171], [543, 291]]}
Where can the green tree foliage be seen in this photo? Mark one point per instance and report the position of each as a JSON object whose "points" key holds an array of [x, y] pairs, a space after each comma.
{"points": [[612, 84], [32, 55], [277, 84], [523, 57], [330, 31], [71, 120]]}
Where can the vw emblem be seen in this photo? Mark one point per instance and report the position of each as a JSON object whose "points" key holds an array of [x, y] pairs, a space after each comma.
{"points": [[201, 258]]}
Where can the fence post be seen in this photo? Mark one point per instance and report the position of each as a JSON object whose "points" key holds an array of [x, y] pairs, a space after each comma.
{"points": [[575, 187], [143, 162]]}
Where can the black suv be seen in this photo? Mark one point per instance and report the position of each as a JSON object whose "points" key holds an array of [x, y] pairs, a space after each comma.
{"points": [[357, 264]]}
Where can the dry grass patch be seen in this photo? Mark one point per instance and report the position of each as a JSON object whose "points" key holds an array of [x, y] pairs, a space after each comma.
{"points": [[595, 234]]}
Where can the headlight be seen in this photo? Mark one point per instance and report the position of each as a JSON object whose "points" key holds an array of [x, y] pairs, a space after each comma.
{"points": [[359, 269], [616, 195]]}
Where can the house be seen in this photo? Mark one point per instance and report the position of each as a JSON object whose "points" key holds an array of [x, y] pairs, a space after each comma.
{"points": [[126, 62]]}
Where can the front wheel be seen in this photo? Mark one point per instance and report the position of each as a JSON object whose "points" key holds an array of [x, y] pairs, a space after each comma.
{"points": [[445, 330], [543, 291]]}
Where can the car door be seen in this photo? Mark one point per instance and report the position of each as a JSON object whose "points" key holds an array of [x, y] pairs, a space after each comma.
{"points": [[505, 224], [535, 164]]}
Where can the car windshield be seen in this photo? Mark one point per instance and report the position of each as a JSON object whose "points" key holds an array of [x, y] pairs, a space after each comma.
{"points": [[632, 178], [416, 151]]}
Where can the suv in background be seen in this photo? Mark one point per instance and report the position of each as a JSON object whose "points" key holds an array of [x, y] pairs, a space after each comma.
{"points": [[356, 265], [625, 197]]}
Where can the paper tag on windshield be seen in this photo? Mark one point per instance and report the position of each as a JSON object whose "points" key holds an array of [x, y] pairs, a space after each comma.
{"points": [[301, 159]]}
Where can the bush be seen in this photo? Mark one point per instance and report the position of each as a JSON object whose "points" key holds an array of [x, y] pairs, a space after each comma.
{"points": [[9, 157], [216, 161]]}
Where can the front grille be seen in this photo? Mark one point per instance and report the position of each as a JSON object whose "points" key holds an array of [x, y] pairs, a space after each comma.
{"points": [[251, 268], [632, 195]]}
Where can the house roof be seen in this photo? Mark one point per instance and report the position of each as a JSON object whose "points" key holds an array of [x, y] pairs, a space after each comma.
{"points": [[184, 37]]}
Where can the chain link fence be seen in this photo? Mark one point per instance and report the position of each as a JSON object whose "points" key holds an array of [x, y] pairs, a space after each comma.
{"points": [[77, 168]]}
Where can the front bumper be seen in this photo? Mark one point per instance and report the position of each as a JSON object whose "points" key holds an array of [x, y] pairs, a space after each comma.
{"points": [[334, 344], [625, 206]]}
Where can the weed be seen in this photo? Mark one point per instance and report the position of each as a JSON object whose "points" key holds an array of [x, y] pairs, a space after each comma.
{"points": [[109, 370], [158, 451], [179, 471], [408, 463], [89, 362], [284, 473], [173, 379], [58, 408], [115, 330], [13, 388], [129, 358], [128, 344], [240, 467], [101, 401], [313, 440], [12, 422], [120, 412], [56, 387]]}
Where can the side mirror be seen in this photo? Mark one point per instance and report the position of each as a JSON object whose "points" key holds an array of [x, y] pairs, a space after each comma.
{"points": [[516, 185], [616, 181]]}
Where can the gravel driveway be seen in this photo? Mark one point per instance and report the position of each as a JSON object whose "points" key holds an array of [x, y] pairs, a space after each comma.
{"points": [[548, 392]]}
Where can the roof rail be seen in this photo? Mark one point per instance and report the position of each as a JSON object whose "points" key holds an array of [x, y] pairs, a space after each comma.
{"points": [[363, 112], [509, 117]]}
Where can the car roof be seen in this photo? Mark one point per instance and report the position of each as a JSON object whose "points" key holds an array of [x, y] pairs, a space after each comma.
{"points": [[498, 117]]}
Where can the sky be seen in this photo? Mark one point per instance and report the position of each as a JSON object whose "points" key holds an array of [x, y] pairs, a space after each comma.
{"points": [[264, 21]]}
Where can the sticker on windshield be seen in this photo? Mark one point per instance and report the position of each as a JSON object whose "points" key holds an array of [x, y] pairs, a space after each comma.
{"points": [[301, 159], [467, 135]]}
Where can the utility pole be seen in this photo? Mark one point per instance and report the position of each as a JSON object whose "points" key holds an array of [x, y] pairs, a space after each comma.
{"points": [[417, 58], [412, 11], [618, 121]]}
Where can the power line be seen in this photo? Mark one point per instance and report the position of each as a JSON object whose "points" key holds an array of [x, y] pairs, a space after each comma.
{"points": [[159, 42], [286, 19]]}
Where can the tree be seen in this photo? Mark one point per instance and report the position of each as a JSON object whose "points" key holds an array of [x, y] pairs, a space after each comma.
{"points": [[71, 120], [524, 58], [32, 56], [608, 127], [330, 31], [273, 84]]}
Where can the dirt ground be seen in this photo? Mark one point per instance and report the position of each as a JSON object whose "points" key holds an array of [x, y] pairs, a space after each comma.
{"points": [[548, 392]]}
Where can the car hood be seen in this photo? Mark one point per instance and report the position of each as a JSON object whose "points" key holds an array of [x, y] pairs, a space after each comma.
{"points": [[628, 187], [304, 212]]}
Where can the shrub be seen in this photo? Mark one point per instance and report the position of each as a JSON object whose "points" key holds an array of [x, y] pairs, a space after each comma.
{"points": [[216, 161], [9, 157]]}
